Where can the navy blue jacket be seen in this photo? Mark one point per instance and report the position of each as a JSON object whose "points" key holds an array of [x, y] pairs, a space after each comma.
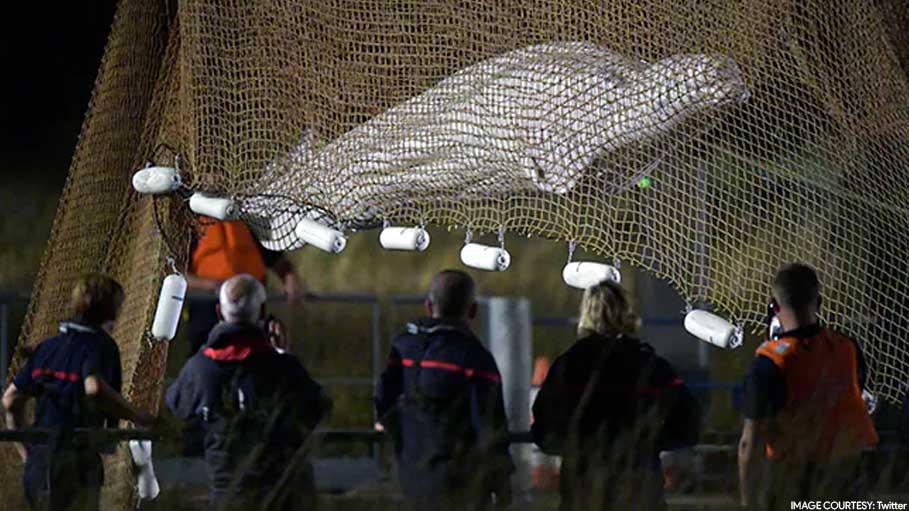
{"points": [[609, 406], [441, 396], [55, 375], [253, 400]]}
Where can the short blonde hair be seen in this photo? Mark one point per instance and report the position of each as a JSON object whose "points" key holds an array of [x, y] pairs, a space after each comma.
{"points": [[96, 298], [606, 310]]}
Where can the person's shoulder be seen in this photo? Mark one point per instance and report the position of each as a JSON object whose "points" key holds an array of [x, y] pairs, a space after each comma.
{"points": [[108, 342], [777, 349], [409, 332], [47, 344], [837, 336], [473, 344], [94, 338], [278, 363], [632, 350], [585, 346], [476, 354], [648, 357], [764, 366], [289, 361], [643, 348], [199, 363]]}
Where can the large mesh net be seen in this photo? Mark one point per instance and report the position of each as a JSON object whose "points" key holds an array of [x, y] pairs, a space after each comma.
{"points": [[708, 142]]}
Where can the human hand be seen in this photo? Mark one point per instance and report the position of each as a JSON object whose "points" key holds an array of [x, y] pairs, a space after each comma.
{"points": [[276, 333], [23, 452], [294, 289]]}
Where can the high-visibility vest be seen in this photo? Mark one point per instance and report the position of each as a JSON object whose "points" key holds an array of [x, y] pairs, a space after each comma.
{"points": [[824, 417], [227, 249]]}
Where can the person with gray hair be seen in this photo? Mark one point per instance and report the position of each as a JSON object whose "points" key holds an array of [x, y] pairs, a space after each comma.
{"points": [[258, 406], [241, 299]]}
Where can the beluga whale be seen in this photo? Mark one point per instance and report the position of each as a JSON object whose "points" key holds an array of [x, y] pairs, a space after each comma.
{"points": [[531, 120]]}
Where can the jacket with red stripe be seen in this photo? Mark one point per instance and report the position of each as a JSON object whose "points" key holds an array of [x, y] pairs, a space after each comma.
{"points": [[441, 396], [258, 406], [609, 406], [55, 375]]}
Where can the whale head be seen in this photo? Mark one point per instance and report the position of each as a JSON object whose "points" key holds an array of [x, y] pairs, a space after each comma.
{"points": [[686, 83]]}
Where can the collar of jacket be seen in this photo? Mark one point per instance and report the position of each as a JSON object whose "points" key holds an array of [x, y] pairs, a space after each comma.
{"points": [[802, 332], [429, 326], [231, 342], [78, 324]]}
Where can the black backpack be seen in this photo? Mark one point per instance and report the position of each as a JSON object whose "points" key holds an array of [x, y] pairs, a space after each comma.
{"points": [[263, 406]]}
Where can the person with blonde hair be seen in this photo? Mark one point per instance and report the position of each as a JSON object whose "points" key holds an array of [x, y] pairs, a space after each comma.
{"points": [[608, 406], [75, 379]]}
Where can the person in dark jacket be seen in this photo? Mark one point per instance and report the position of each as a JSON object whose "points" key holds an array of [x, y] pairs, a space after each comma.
{"points": [[258, 406], [608, 406], [75, 378], [441, 396]]}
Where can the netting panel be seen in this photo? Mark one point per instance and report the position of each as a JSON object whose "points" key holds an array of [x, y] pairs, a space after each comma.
{"points": [[771, 131]]}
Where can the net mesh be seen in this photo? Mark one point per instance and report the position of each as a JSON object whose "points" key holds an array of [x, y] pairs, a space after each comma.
{"points": [[708, 142]]}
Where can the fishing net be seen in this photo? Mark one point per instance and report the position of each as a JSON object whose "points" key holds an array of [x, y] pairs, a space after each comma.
{"points": [[708, 142]]}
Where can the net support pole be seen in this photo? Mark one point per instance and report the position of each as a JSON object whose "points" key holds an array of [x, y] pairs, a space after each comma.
{"points": [[508, 337]]}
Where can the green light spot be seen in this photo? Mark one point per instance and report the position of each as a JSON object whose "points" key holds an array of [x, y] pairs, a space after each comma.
{"points": [[644, 182]]}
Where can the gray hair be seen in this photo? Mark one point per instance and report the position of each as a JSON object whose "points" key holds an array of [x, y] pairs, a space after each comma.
{"points": [[241, 298]]}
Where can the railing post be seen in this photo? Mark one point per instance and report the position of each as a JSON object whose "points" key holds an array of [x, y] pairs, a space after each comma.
{"points": [[508, 337]]}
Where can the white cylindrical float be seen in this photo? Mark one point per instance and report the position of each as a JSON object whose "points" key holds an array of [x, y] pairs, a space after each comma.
{"points": [[485, 257], [320, 236], [215, 207], [156, 180], [170, 305], [584, 274], [713, 329], [147, 483], [404, 238]]}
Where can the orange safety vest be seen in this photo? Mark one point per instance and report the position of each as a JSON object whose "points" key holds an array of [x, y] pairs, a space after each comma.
{"points": [[824, 418], [227, 249]]}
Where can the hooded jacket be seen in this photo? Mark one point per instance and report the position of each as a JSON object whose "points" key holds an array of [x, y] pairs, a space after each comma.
{"points": [[253, 401]]}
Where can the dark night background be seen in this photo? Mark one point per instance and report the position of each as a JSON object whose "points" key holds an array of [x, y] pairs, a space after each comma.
{"points": [[51, 52]]}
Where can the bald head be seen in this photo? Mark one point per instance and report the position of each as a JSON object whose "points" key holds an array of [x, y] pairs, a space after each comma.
{"points": [[241, 299], [451, 295]]}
